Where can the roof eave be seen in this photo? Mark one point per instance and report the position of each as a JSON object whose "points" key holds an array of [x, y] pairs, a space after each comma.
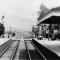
{"points": [[53, 13]]}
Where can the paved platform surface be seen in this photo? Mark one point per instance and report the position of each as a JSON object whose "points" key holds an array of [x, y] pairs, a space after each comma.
{"points": [[52, 45]]}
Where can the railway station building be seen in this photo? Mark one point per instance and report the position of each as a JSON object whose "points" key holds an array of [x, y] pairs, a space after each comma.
{"points": [[49, 23]]}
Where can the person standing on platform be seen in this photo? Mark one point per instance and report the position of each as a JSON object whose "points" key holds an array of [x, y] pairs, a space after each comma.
{"points": [[47, 33]]}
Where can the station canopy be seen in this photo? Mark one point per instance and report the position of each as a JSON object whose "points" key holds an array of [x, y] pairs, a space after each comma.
{"points": [[51, 17], [52, 20]]}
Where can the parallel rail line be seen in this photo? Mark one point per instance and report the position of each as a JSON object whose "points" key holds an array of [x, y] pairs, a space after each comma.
{"points": [[14, 52], [27, 51], [39, 52]]}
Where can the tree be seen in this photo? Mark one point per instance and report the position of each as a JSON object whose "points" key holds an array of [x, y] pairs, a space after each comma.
{"points": [[43, 8], [2, 28], [43, 11]]}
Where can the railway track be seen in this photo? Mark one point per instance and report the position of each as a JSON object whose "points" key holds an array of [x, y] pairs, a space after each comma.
{"points": [[21, 53], [10, 52], [26, 50], [5, 46], [33, 52]]}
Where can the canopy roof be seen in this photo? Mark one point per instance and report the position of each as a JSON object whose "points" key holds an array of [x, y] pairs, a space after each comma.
{"points": [[51, 17]]}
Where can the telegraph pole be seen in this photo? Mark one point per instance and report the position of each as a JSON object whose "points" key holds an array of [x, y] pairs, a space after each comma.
{"points": [[10, 31]]}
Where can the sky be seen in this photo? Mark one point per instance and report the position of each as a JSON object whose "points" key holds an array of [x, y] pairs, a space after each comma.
{"points": [[22, 14]]}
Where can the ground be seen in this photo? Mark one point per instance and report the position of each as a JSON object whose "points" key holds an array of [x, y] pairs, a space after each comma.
{"points": [[52, 45]]}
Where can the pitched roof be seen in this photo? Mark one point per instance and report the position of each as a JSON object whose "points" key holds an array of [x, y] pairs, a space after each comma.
{"points": [[51, 10], [55, 9]]}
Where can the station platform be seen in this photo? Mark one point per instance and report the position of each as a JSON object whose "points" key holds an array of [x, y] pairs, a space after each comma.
{"points": [[54, 46], [3, 40]]}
